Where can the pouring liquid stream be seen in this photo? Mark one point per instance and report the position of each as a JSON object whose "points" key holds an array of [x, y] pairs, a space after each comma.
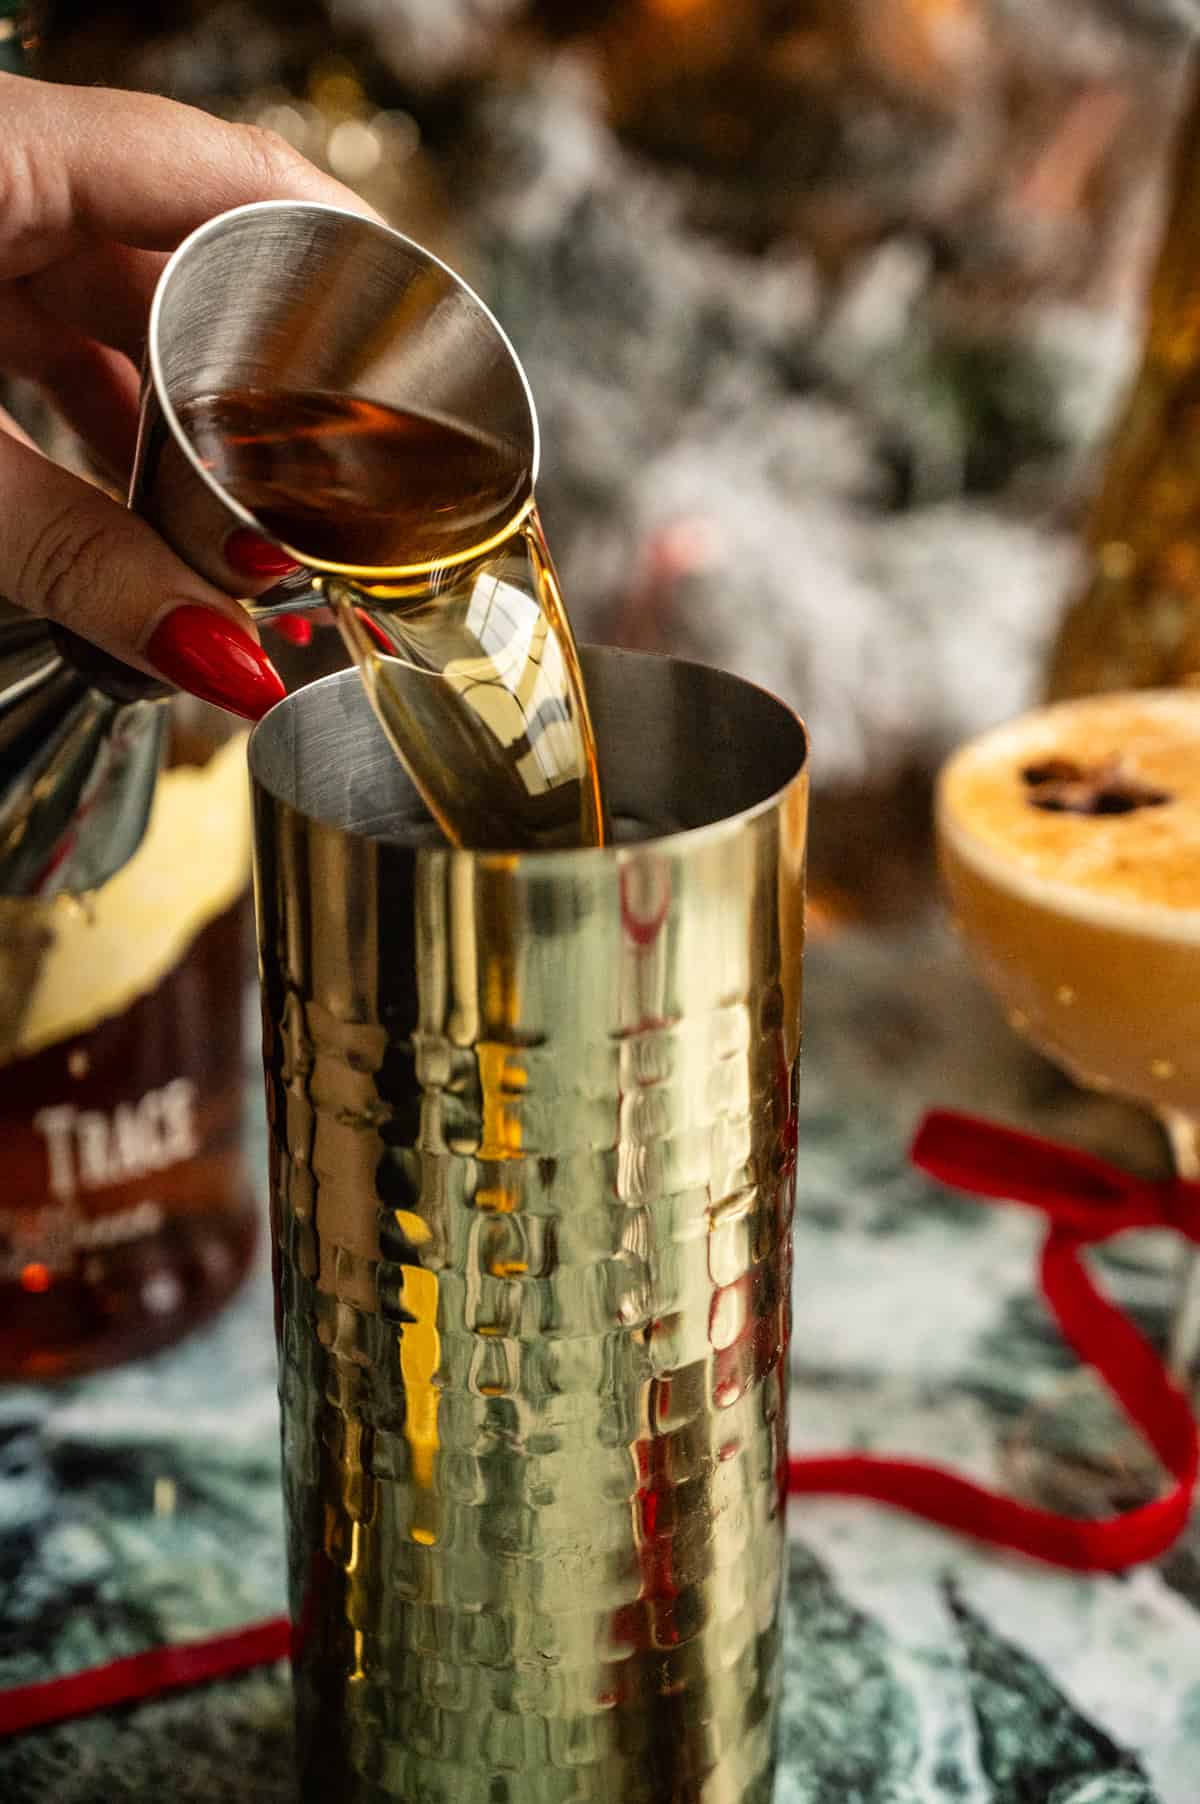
{"points": [[434, 562]]}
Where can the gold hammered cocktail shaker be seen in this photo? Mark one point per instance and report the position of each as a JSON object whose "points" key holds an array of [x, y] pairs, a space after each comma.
{"points": [[532, 1162]]}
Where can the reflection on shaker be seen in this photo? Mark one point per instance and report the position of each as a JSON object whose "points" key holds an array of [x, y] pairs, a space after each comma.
{"points": [[533, 1154]]}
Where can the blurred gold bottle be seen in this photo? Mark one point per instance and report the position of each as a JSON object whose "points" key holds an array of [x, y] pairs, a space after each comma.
{"points": [[126, 1211], [1137, 622]]}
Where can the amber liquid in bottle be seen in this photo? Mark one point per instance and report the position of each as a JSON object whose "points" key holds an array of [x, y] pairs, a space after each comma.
{"points": [[439, 575], [127, 1215]]}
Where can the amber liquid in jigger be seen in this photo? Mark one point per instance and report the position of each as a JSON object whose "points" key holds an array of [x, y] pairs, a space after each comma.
{"points": [[445, 593]]}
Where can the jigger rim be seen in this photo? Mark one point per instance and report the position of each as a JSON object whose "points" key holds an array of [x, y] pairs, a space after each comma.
{"points": [[220, 223]]}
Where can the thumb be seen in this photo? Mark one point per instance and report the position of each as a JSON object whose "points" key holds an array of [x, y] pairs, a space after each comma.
{"points": [[70, 553]]}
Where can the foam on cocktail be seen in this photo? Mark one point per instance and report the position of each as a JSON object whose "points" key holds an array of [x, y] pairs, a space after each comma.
{"points": [[1070, 847], [1138, 870]]}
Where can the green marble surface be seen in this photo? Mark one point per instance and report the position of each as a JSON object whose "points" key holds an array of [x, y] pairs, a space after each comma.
{"points": [[142, 1506]]}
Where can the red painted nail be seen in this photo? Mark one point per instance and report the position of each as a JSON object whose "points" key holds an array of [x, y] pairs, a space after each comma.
{"points": [[294, 628], [207, 654], [251, 556]]}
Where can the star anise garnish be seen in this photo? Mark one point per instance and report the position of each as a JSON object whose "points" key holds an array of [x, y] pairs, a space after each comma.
{"points": [[1061, 786]]}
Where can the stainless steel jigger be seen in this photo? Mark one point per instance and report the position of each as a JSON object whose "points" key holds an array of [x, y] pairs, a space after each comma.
{"points": [[532, 1161], [287, 296], [278, 295]]}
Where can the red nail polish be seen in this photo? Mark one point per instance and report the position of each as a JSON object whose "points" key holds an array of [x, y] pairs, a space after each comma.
{"points": [[294, 628], [252, 556], [208, 655]]}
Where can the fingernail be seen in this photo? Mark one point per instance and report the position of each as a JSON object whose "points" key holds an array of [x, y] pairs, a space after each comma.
{"points": [[252, 556], [208, 655], [293, 627]]}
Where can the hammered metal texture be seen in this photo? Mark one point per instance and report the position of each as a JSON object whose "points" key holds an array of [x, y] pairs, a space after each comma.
{"points": [[532, 1163]]}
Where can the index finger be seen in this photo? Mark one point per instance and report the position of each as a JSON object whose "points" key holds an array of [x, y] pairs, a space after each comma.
{"points": [[88, 163]]}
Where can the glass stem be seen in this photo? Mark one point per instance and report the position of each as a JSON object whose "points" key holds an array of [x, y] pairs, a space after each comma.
{"points": [[1183, 1345]]}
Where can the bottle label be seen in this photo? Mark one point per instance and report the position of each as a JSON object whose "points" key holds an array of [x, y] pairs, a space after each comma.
{"points": [[87, 1149], [120, 1091], [69, 964], [106, 1134]]}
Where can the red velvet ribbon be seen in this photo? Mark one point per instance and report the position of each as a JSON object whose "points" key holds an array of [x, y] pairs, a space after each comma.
{"points": [[150, 1674], [1087, 1201]]}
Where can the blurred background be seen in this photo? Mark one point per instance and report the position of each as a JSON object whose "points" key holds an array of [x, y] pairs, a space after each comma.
{"points": [[827, 306]]}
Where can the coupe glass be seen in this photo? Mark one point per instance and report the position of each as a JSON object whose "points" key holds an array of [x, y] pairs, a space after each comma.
{"points": [[1069, 843]]}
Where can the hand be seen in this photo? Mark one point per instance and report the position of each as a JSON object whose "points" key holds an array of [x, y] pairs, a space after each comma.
{"points": [[96, 187]]}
